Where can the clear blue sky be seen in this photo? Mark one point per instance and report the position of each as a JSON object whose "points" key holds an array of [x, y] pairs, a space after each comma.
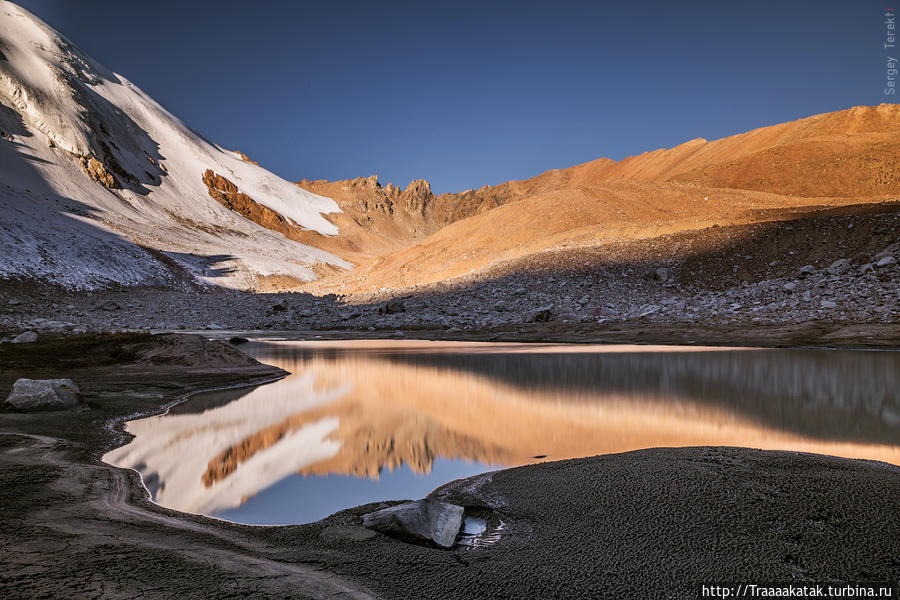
{"points": [[471, 93]]}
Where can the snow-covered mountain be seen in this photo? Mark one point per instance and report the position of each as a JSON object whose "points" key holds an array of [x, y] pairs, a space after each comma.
{"points": [[101, 185]]}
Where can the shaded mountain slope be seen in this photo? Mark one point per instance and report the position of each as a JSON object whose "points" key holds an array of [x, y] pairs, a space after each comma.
{"points": [[102, 186]]}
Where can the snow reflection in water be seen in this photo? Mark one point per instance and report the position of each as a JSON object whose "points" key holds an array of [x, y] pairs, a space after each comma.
{"points": [[358, 422]]}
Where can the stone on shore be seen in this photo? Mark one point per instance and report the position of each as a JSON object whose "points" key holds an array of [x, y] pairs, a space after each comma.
{"points": [[25, 338], [542, 314], [29, 395], [427, 521]]}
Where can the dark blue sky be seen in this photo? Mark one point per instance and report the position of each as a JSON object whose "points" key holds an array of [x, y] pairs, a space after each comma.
{"points": [[471, 93]]}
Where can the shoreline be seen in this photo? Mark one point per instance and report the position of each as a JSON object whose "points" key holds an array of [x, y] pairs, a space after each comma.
{"points": [[76, 514], [813, 335]]}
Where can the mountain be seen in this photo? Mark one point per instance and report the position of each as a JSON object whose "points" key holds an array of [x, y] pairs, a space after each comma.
{"points": [[101, 186], [770, 174]]}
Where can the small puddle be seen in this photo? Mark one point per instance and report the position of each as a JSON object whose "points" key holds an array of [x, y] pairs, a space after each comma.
{"points": [[475, 533]]}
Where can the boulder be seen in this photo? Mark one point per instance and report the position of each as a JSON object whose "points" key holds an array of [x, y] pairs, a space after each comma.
{"points": [[391, 308], [422, 521], [838, 265], [806, 270], [25, 338], [662, 275], [30, 395], [236, 340], [542, 314], [885, 261]]}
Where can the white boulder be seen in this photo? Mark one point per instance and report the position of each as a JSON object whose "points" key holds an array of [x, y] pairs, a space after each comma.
{"points": [[43, 394], [427, 521], [25, 338]]}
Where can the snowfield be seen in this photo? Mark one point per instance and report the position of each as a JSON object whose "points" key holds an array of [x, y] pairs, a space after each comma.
{"points": [[58, 110]]}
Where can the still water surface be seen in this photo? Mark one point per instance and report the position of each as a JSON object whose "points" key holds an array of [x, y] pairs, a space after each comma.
{"points": [[363, 421]]}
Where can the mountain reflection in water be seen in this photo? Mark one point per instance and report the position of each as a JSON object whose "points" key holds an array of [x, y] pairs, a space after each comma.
{"points": [[360, 421]]}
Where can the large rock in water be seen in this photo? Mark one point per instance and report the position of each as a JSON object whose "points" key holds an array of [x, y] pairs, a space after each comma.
{"points": [[421, 521], [30, 395]]}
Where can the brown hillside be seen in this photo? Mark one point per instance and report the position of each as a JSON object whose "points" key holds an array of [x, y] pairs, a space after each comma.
{"points": [[835, 159]]}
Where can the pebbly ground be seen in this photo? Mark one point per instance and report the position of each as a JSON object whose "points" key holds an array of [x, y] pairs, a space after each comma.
{"points": [[832, 272], [649, 524]]}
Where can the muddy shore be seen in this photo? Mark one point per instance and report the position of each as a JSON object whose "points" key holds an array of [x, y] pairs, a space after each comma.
{"points": [[652, 523]]}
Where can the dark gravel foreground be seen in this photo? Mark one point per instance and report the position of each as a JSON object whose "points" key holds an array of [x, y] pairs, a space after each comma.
{"points": [[649, 524]]}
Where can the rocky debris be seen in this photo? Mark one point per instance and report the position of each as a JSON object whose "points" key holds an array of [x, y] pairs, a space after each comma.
{"points": [[423, 521], [662, 274], [609, 294], [806, 271], [392, 307], [649, 309], [542, 314], [30, 395], [25, 338], [838, 265]]}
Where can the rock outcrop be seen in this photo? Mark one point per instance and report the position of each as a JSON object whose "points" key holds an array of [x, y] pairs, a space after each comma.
{"points": [[96, 171], [227, 194], [423, 521], [32, 395]]}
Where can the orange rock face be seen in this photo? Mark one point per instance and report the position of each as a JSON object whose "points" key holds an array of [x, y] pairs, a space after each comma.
{"points": [[226, 193], [96, 171]]}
